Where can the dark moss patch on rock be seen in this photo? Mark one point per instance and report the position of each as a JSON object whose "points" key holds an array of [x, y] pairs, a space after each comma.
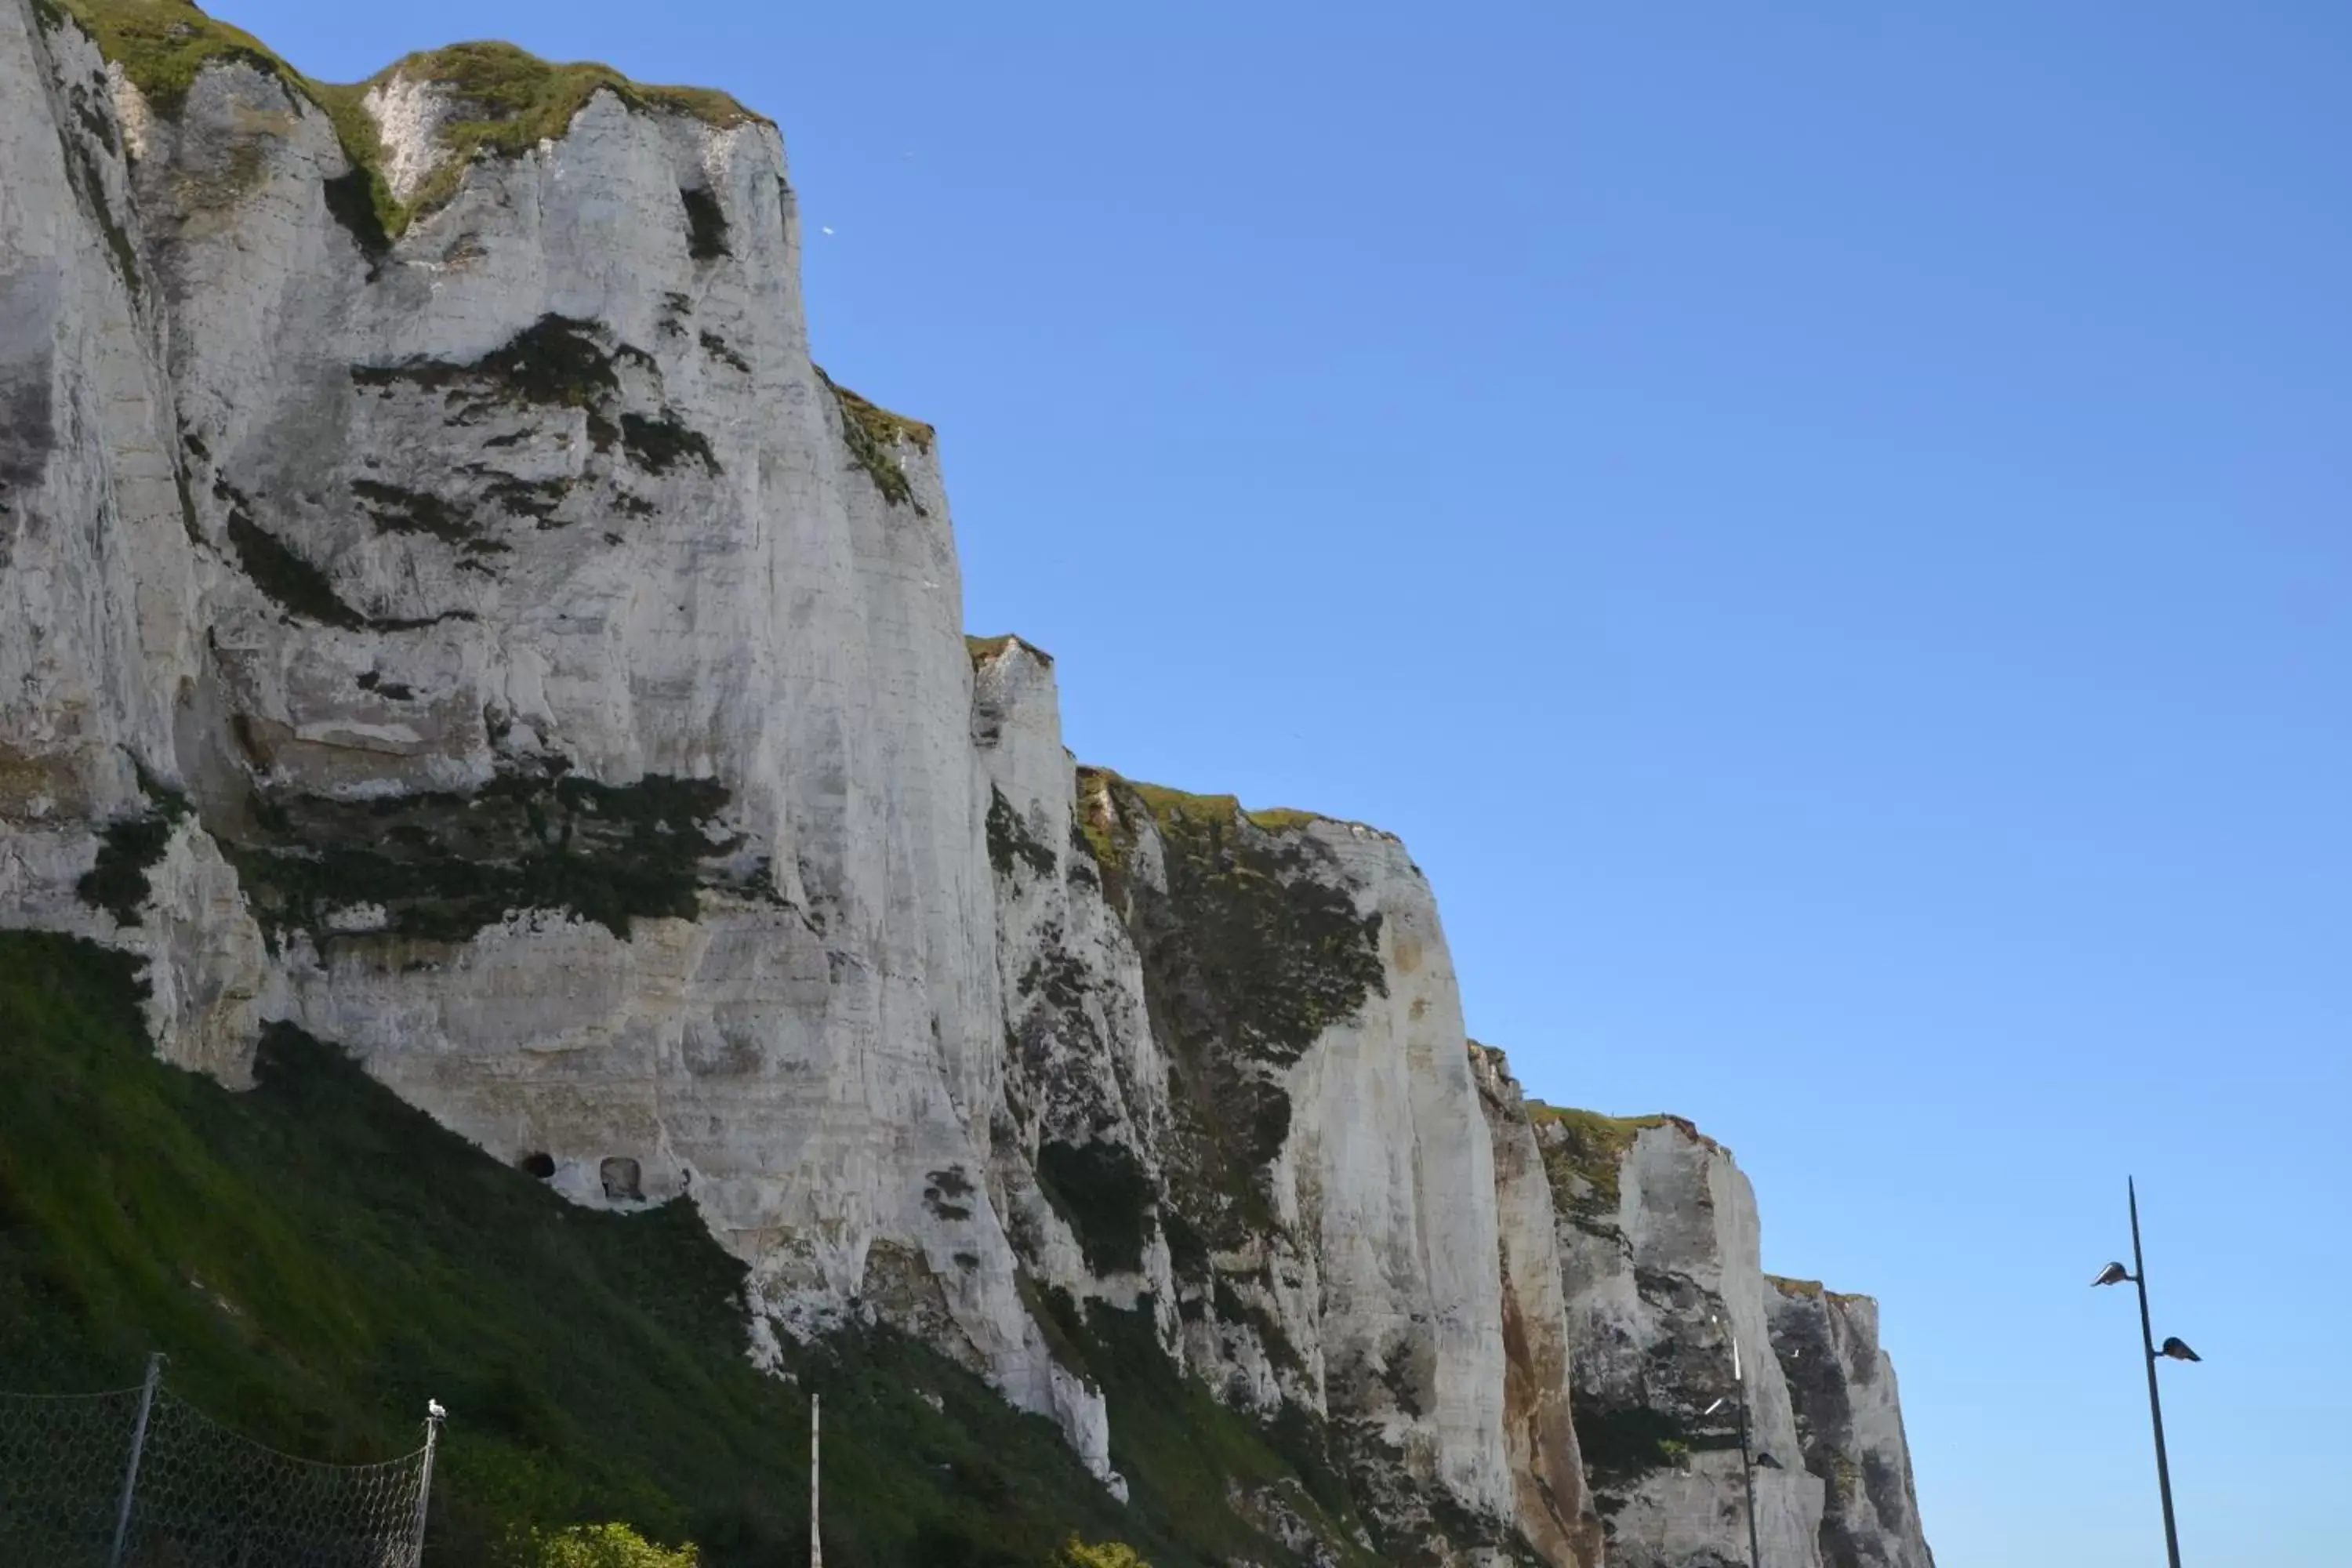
{"points": [[391, 690], [1253, 948], [1267, 951], [290, 583], [1010, 842], [129, 848], [443, 865], [660, 445], [945, 1192], [717, 348], [557, 362], [398, 511], [706, 224], [1102, 1191]]}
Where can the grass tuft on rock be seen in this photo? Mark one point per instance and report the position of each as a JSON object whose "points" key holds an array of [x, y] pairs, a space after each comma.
{"points": [[873, 436], [984, 650]]}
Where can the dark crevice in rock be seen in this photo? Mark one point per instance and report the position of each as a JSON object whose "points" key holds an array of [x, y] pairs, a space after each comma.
{"points": [[352, 202], [705, 224], [1102, 1193]]}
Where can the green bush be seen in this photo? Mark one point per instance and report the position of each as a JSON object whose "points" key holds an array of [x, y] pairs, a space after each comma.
{"points": [[1109, 1554], [608, 1546]]}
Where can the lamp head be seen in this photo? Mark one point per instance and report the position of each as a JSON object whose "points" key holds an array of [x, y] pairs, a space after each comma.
{"points": [[2112, 1274], [2178, 1350]]}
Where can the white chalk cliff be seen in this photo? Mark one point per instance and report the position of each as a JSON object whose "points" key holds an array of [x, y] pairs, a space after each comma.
{"points": [[442, 606]]}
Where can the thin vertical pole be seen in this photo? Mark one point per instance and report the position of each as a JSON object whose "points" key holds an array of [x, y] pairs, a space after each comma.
{"points": [[1747, 1465], [424, 1479], [2154, 1404], [816, 1544], [138, 1449]]}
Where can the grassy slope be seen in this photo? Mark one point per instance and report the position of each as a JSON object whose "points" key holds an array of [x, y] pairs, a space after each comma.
{"points": [[317, 1259]]}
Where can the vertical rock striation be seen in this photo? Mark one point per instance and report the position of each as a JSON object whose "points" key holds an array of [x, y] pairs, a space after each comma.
{"points": [[1555, 1505]]}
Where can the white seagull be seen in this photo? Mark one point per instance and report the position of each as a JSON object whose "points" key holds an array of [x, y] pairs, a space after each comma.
{"points": [[434, 1411]]}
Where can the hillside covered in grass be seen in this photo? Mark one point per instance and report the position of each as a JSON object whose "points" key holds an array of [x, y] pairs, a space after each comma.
{"points": [[316, 1259]]}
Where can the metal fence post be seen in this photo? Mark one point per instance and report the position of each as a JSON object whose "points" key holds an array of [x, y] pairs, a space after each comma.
{"points": [[138, 1447], [433, 1416]]}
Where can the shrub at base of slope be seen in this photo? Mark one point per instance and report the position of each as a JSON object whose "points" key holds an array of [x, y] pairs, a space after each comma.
{"points": [[608, 1546], [317, 1258]]}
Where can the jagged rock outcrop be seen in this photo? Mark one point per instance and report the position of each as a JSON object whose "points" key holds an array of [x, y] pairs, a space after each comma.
{"points": [[1849, 1425], [1236, 1086], [1659, 1246], [442, 604]]}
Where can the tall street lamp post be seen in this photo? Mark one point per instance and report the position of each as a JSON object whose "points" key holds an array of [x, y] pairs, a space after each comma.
{"points": [[2171, 1349]]}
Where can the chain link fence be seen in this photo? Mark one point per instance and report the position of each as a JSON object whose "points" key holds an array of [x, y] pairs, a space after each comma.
{"points": [[139, 1478]]}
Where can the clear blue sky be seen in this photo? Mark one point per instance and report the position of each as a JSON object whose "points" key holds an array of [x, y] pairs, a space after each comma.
{"points": [[1827, 528]]}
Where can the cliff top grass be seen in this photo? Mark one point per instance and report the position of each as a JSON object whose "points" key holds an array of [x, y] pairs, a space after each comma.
{"points": [[1176, 808], [1588, 1147], [983, 649], [879, 423], [162, 45], [874, 434], [1814, 1290], [517, 99]]}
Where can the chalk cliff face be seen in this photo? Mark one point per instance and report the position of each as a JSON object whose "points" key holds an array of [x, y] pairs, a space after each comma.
{"points": [[442, 604], [1676, 1328], [1849, 1426]]}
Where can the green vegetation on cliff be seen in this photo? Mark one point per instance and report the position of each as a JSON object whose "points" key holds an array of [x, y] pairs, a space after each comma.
{"points": [[509, 101], [162, 45], [874, 434], [1583, 1152], [1252, 946], [317, 1258]]}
